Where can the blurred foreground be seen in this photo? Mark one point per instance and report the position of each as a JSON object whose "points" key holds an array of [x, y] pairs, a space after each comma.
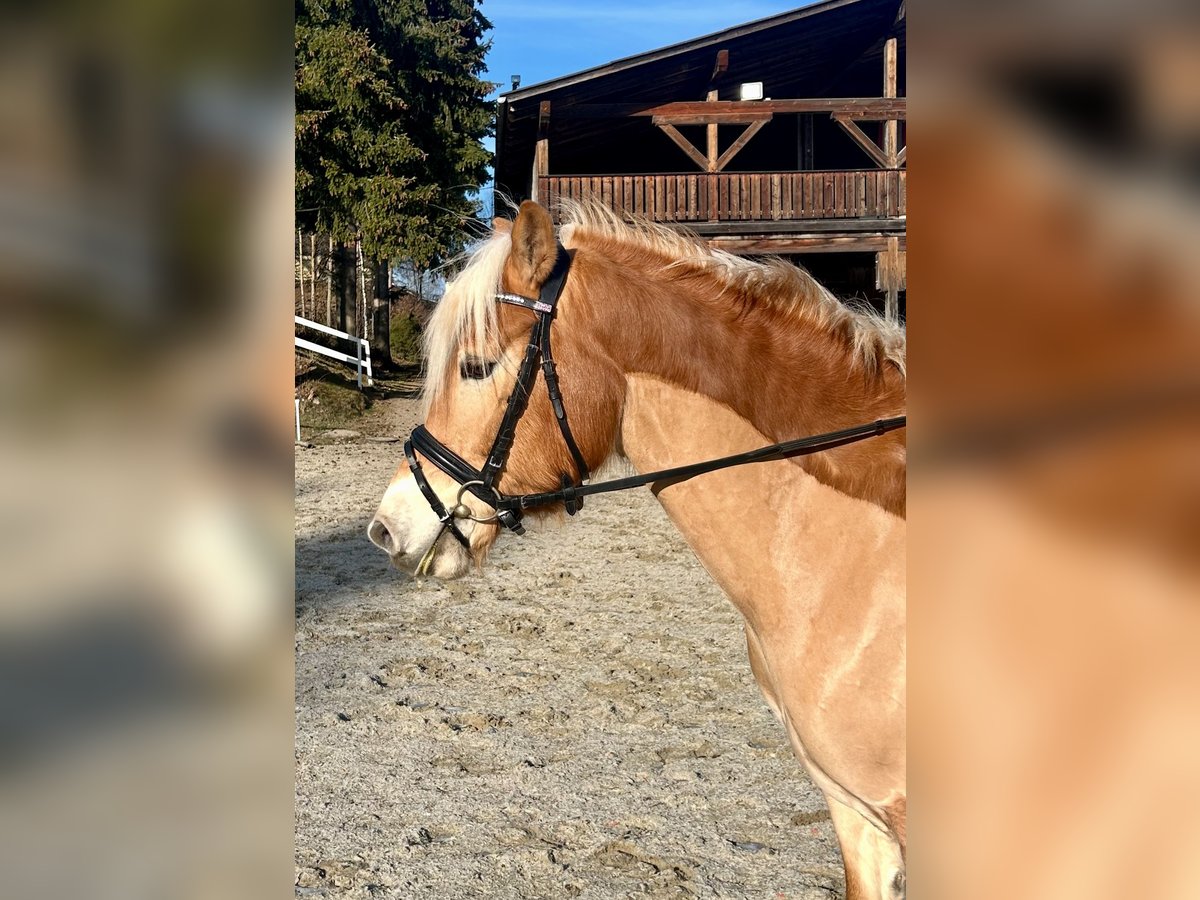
{"points": [[145, 271], [1055, 457]]}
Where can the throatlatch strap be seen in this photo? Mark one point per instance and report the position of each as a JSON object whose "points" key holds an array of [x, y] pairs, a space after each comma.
{"points": [[550, 373]]}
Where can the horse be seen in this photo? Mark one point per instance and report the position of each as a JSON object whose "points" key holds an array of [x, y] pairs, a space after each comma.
{"points": [[666, 352]]}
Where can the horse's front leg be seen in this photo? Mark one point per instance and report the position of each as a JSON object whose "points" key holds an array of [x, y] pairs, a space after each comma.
{"points": [[873, 859]]}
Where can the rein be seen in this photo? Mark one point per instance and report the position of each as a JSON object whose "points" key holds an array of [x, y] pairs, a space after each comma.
{"points": [[510, 508]]}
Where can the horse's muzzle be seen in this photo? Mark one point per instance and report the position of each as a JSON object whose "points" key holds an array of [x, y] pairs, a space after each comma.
{"points": [[435, 555]]}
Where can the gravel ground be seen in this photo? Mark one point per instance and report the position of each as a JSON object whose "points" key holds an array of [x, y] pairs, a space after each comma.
{"points": [[579, 720]]}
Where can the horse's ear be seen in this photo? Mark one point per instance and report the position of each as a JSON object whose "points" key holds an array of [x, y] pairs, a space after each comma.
{"points": [[534, 248], [502, 225]]}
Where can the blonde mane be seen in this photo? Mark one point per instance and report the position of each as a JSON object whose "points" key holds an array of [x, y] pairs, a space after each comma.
{"points": [[773, 282], [467, 311]]}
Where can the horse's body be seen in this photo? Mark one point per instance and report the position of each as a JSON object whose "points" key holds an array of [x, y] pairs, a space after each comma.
{"points": [[672, 354], [819, 578]]}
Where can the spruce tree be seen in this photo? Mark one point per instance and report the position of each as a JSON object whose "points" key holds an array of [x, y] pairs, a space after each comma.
{"points": [[391, 111]]}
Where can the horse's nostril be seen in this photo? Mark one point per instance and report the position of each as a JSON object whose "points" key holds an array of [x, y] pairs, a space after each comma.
{"points": [[381, 536]]}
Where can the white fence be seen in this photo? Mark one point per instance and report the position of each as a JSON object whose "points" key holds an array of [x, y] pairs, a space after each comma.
{"points": [[361, 359]]}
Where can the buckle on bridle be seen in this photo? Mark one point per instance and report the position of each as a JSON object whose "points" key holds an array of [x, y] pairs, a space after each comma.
{"points": [[510, 520], [572, 502]]}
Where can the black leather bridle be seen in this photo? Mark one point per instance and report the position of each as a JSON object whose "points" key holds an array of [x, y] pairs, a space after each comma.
{"points": [[482, 483], [510, 508]]}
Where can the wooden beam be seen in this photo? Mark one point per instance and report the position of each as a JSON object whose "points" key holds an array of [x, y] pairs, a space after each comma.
{"points": [[875, 114], [878, 108], [541, 153], [902, 157], [806, 244], [711, 135], [721, 67], [888, 276], [890, 267], [751, 130], [803, 227], [890, 126], [860, 137], [685, 145], [745, 117]]}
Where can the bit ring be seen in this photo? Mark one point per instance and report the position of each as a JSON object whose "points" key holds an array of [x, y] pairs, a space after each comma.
{"points": [[462, 511]]}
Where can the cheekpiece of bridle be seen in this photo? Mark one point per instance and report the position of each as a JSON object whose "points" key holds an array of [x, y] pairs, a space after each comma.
{"points": [[510, 508]]}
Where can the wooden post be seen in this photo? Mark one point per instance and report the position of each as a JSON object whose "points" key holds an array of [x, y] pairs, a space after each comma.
{"points": [[329, 284], [889, 277], [541, 155], [891, 128], [720, 67], [300, 254], [312, 280], [711, 164], [712, 138], [364, 320]]}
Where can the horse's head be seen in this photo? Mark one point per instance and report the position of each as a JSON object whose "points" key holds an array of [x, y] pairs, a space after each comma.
{"points": [[473, 349]]}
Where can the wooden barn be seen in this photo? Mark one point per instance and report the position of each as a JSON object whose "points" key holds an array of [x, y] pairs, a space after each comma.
{"points": [[782, 136]]}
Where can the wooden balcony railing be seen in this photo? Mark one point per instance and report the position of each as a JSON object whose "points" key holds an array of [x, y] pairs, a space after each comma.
{"points": [[738, 196]]}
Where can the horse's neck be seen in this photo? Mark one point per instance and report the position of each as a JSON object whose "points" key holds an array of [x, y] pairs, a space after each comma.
{"points": [[770, 534], [787, 379]]}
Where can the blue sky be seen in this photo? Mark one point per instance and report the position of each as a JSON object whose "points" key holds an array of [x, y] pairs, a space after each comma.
{"points": [[544, 39]]}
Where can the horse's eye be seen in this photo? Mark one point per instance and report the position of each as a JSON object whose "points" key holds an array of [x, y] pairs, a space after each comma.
{"points": [[476, 369]]}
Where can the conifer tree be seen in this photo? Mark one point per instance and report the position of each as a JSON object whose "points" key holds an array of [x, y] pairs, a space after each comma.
{"points": [[390, 113]]}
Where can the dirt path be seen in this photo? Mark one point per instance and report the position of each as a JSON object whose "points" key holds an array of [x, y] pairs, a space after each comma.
{"points": [[578, 721]]}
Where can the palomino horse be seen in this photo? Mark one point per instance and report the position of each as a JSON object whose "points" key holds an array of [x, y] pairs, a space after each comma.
{"points": [[670, 353]]}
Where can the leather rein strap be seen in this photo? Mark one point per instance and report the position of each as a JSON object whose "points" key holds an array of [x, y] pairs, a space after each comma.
{"points": [[511, 507], [804, 446]]}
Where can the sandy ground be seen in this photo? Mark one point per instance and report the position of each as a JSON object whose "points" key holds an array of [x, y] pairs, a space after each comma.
{"points": [[579, 720]]}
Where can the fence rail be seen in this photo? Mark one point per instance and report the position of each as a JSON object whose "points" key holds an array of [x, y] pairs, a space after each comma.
{"points": [[361, 359], [740, 196]]}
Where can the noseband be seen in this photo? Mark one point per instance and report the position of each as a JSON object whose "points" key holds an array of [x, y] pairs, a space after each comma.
{"points": [[510, 508]]}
